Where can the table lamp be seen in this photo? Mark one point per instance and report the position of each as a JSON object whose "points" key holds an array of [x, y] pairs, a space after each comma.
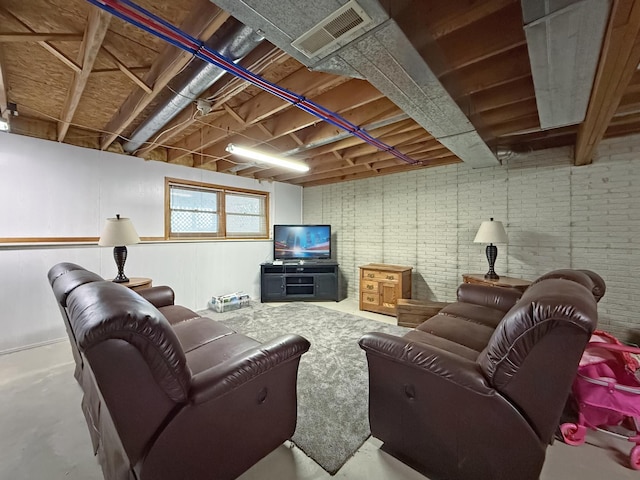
{"points": [[491, 232], [117, 233]]}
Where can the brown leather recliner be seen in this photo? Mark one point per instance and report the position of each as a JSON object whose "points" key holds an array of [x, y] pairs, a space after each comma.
{"points": [[476, 392], [168, 394]]}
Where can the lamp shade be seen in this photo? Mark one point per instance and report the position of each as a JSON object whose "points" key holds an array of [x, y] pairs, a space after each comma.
{"points": [[491, 232], [118, 232]]}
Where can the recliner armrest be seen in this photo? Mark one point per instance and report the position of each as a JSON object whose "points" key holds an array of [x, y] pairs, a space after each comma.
{"points": [[500, 298], [430, 359], [235, 371], [159, 297]]}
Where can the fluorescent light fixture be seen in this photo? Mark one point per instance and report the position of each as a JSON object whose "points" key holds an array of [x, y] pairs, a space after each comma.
{"points": [[263, 157], [4, 125]]}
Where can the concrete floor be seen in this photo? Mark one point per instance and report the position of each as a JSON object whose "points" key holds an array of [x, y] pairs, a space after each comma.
{"points": [[43, 434]]}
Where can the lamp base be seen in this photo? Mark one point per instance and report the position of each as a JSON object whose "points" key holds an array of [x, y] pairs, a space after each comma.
{"points": [[120, 256], [492, 254]]}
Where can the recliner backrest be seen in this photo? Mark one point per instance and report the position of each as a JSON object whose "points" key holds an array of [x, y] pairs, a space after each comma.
{"points": [[65, 283], [533, 355], [589, 279], [60, 269], [100, 311], [64, 278]]}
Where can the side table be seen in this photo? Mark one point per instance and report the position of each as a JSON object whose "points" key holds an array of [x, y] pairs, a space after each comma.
{"points": [[137, 283], [411, 313], [510, 282]]}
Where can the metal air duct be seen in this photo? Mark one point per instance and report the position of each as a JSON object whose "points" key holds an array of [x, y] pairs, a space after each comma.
{"points": [[564, 39], [237, 43], [359, 39]]}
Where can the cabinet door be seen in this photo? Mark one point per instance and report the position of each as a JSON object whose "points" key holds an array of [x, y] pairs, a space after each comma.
{"points": [[388, 294], [326, 287], [272, 287]]}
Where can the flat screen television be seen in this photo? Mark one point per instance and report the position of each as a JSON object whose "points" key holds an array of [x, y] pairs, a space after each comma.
{"points": [[301, 242]]}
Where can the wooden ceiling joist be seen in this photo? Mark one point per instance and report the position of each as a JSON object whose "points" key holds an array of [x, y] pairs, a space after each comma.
{"points": [[500, 33], [506, 94], [263, 56], [357, 91], [44, 44], [360, 116], [257, 108], [6, 37], [4, 97], [618, 63], [498, 70], [476, 49], [202, 22], [443, 18], [94, 34], [126, 70]]}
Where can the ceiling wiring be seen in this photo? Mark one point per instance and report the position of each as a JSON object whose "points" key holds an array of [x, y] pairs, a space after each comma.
{"points": [[128, 11], [156, 144]]}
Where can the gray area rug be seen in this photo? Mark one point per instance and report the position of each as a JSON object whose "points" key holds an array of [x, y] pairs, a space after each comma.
{"points": [[333, 388]]}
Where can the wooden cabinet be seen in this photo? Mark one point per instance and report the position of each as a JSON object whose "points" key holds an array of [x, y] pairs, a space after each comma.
{"points": [[382, 285]]}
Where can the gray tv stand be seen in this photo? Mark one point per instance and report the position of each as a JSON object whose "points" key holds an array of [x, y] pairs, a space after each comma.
{"points": [[299, 281]]}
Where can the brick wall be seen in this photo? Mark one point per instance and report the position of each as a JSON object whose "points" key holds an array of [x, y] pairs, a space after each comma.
{"points": [[556, 216]]}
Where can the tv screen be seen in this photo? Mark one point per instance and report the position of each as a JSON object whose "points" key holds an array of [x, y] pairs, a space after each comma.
{"points": [[301, 242]]}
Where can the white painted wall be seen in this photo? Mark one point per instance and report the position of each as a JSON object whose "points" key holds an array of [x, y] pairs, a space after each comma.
{"points": [[49, 189], [556, 216]]}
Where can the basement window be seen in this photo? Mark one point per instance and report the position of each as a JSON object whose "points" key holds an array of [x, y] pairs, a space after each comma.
{"points": [[195, 210]]}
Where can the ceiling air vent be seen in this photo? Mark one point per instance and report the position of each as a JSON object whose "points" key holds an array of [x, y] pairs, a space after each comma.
{"points": [[342, 25]]}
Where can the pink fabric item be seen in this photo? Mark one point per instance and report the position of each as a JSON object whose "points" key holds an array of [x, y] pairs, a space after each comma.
{"points": [[597, 387], [596, 355]]}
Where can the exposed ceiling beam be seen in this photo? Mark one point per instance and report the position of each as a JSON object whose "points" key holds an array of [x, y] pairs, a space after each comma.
{"points": [[202, 22], [6, 37], [46, 45], [4, 94], [500, 96], [126, 70], [94, 34], [61, 56], [366, 104], [375, 173], [301, 81], [263, 56], [98, 71], [496, 71], [506, 113], [516, 125], [355, 93], [499, 33], [453, 15], [618, 63], [264, 104]]}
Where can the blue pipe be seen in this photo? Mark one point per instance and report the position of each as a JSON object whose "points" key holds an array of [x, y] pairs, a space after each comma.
{"points": [[224, 63]]}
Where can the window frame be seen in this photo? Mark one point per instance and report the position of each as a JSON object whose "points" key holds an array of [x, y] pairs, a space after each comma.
{"points": [[222, 191]]}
